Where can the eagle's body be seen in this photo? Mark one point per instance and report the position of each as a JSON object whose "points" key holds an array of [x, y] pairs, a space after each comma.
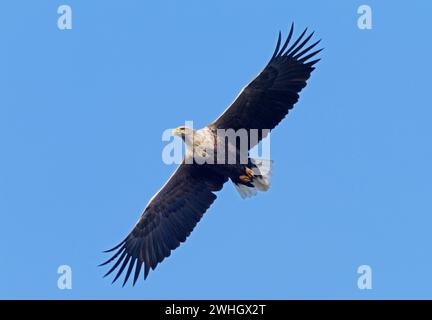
{"points": [[172, 213], [209, 148], [203, 147]]}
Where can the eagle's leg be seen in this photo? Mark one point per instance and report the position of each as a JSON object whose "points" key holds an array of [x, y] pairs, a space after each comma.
{"points": [[248, 176]]}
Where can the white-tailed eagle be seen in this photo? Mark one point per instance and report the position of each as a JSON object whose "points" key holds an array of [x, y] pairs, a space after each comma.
{"points": [[172, 213]]}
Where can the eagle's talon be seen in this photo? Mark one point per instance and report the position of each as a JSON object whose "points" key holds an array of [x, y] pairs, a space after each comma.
{"points": [[245, 178], [249, 173]]}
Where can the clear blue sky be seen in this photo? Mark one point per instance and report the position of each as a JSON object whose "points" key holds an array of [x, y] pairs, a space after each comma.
{"points": [[82, 112]]}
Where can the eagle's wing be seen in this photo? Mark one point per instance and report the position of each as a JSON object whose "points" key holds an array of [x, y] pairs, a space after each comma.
{"points": [[168, 219], [265, 101]]}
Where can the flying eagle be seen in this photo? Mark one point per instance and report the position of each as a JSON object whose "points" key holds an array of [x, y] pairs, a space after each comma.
{"points": [[172, 213]]}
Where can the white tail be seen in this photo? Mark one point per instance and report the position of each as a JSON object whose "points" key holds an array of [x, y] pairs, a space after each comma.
{"points": [[263, 171]]}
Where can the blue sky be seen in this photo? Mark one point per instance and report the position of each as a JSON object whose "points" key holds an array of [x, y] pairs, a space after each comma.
{"points": [[82, 112]]}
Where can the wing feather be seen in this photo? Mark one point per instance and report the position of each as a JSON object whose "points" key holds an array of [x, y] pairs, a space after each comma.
{"points": [[266, 100], [167, 220]]}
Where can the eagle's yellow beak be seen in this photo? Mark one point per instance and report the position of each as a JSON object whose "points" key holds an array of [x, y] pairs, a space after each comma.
{"points": [[176, 132]]}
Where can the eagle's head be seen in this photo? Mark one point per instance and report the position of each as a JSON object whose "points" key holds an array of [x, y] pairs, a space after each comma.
{"points": [[183, 132]]}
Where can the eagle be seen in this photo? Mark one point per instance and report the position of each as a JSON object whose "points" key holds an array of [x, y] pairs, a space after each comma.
{"points": [[173, 212]]}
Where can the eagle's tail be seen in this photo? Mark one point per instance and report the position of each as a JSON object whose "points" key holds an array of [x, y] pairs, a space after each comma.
{"points": [[258, 177]]}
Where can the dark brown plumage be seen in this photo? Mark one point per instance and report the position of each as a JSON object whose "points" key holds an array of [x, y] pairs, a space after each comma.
{"points": [[265, 101], [168, 219]]}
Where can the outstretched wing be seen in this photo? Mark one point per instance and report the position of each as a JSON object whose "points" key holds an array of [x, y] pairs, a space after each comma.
{"points": [[265, 101], [168, 219]]}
